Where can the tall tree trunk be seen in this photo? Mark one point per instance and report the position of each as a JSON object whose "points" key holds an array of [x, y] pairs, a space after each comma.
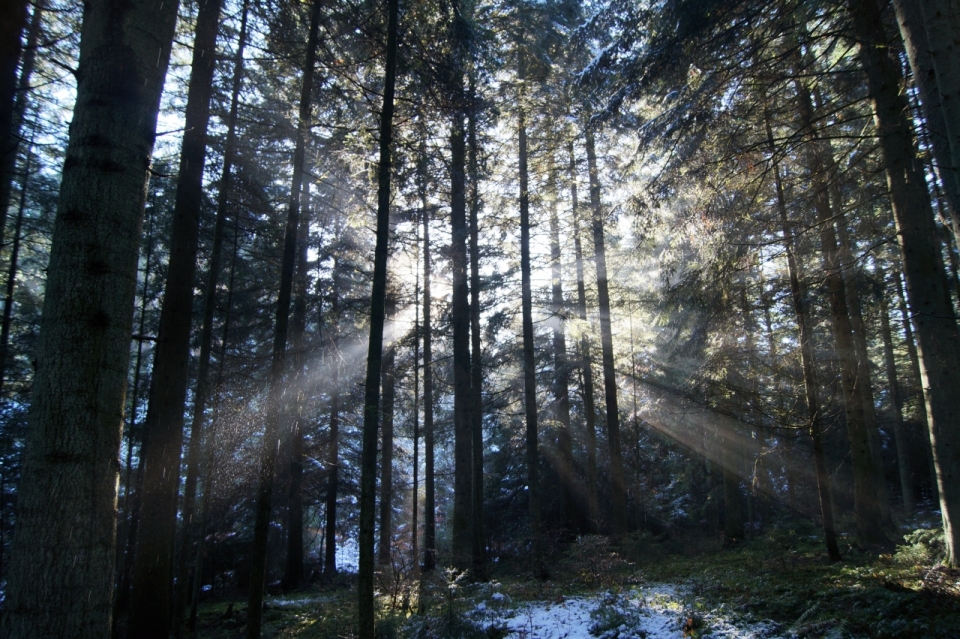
{"points": [[11, 91], [916, 43], [561, 371], [896, 402], [12, 270], [151, 605], [371, 398], [476, 366], [619, 505], [60, 581], [415, 493], [429, 495], [191, 530], [460, 319], [387, 401], [529, 363], [293, 570], [333, 450], [866, 498], [278, 398], [808, 363], [586, 366], [927, 288]]}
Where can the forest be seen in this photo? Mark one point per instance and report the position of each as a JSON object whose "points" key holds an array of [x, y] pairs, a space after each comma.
{"points": [[479, 319]]}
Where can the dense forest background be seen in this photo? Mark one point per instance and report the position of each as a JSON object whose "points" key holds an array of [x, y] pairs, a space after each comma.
{"points": [[421, 284]]}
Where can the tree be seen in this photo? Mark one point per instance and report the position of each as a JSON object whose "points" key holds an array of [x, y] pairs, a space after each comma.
{"points": [[68, 491]]}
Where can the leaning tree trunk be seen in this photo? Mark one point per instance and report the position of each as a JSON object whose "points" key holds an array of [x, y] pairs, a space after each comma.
{"points": [[277, 393], [387, 401], [371, 398], [585, 363], [529, 363], [927, 287], [617, 490], [476, 367], [151, 604], [807, 360], [60, 581]]}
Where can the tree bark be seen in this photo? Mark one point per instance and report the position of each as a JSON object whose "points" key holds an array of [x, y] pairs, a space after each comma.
{"points": [[189, 537], [371, 399], [476, 366], [429, 494], [927, 287], [333, 451], [529, 363], [896, 401], [11, 43], [151, 604], [460, 318], [808, 363], [293, 570], [387, 401], [585, 363], [277, 392], [617, 490], [561, 370], [60, 581]]}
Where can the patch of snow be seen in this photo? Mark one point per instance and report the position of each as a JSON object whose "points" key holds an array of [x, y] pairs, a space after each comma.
{"points": [[348, 556], [651, 612]]}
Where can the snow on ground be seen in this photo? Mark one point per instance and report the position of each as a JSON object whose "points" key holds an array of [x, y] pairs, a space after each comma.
{"points": [[651, 612]]}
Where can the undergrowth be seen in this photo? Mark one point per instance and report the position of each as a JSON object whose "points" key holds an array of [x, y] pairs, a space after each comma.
{"points": [[782, 576]]}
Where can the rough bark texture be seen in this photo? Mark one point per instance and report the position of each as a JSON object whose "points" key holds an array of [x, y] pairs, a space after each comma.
{"points": [[460, 319], [371, 398], [62, 570], [278, 396], [151, 604], [585, 363], [617, 488], [927, 287]]}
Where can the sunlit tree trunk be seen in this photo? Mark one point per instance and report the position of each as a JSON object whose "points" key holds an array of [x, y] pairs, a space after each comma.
{"points": [[333, 449], [561, 371], [585, 362], [927, 287], [277, 393], [904, 464], [476, 365], [371, 398], [387, 401], [808, 362], [529, 363], [429, 496], [619, 506], [61, 577]]}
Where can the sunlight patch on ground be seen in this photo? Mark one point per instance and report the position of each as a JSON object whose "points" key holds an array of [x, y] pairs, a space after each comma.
{"points": [[653, 612]]}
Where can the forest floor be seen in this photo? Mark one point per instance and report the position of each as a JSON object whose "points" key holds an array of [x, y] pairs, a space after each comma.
{"points": [[777, 585]]}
